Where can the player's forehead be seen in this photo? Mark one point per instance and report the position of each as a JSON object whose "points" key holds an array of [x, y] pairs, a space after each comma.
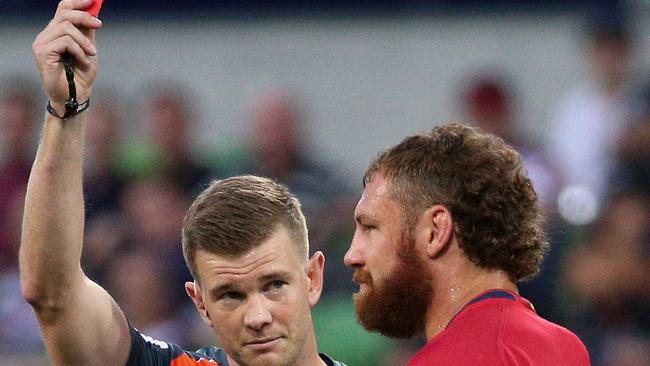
{"points": [[375, 199]]}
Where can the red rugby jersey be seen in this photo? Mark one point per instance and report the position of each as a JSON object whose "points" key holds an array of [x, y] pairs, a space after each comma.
{"points": [[500, 328]]}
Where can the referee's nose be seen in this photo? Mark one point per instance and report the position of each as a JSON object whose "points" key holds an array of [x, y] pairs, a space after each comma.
{"points": [[257, 314]]}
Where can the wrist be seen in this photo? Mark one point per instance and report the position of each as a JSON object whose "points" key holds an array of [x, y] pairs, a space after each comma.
{"points": [[57, 107], [71, 108]]}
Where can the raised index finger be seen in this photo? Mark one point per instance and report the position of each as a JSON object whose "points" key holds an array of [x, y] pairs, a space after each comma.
{"points": [[85, 22], [75, 12], [73, 4], [77, 17]]}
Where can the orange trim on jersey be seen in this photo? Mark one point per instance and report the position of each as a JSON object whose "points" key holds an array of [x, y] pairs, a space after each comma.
{"points": [[185, 360]]}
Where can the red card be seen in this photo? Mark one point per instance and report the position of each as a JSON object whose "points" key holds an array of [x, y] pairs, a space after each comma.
{"points": [[94, 8]]}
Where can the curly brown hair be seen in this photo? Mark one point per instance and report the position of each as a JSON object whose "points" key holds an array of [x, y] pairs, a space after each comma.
{"points": [[234, 215], [480, 179]]}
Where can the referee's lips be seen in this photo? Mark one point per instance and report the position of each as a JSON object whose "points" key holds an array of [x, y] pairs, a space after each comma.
{"points": [[263, 344]]}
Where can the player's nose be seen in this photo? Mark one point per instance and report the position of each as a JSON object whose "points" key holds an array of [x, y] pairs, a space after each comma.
{"points": [[354, 256]]}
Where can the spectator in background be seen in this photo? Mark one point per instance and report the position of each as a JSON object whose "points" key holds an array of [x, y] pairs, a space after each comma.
{"points": [[19, 332], [166, 152], [105, 237], [144, 295], [154, 209], [105, 234], [17, 121], [608, 274], [591, 118], [275, 137], [488, 103], [634, 151], [103, 182], [18, 126]]}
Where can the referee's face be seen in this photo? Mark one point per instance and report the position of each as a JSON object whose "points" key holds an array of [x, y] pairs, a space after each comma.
{"points": [[259, 303]]}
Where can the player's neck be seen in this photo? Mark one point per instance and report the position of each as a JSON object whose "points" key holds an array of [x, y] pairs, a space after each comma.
{"points": [[457, 289]]}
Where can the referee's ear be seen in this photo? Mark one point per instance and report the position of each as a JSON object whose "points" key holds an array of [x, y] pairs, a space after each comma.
{"points": [[437, 230], [314, 270], [193, 290]]}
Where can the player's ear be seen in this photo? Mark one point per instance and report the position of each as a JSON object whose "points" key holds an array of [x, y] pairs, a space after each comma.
{"points": [[193, 290], [314, 269], [435, 228]]}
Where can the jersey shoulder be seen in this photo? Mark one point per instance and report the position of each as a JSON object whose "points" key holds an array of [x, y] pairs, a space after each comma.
{"points": [[502, 332], [330, 361], [147, 351], [526, 334]]}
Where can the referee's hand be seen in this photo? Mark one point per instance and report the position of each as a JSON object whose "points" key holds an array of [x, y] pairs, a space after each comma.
{"points": [[72, 30]]}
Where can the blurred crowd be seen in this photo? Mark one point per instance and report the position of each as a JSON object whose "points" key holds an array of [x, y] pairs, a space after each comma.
{"points": [[592, 174]]}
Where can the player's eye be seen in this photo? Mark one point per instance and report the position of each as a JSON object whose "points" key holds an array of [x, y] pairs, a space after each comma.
{"points": [[366, 227]]}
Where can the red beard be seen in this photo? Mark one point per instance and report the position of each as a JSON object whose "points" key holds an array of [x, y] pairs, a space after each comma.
{"points": [[397, 306]]}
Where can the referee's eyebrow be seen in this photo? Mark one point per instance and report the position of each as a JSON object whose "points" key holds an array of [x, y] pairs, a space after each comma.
{"points": [[214, 293], [280, 274]]}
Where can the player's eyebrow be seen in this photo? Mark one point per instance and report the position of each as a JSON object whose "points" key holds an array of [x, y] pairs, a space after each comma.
{"points": [[360, 218]]}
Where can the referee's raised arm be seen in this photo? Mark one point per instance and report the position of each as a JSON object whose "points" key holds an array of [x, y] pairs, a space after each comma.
{"points": [[80, 322]]}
